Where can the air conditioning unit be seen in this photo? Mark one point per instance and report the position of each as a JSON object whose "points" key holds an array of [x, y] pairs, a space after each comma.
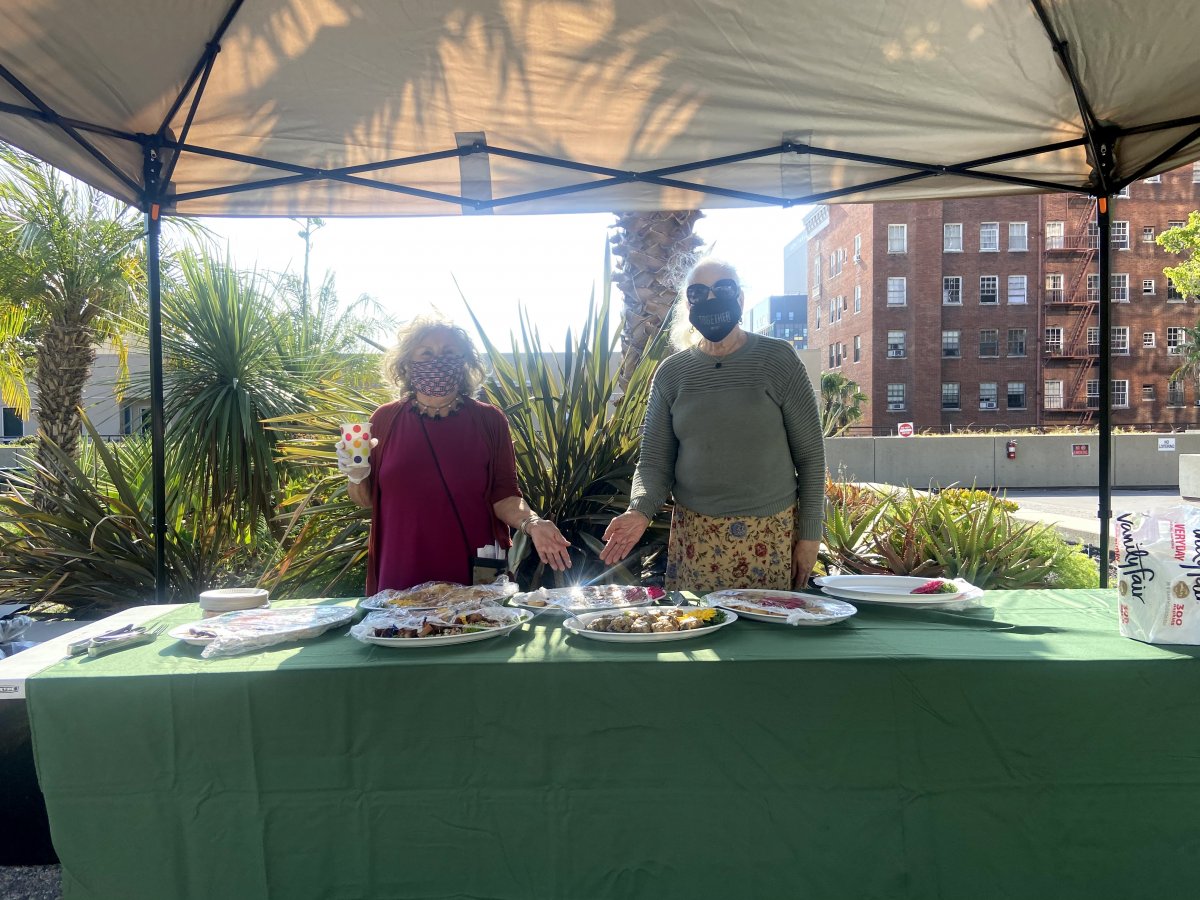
{"points": [[987, 404], [895, 407], [895, 354], [1174, 351], [858, 258]]}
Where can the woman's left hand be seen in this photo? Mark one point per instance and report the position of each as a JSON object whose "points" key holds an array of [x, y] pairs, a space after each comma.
{"points": [[551, 546], [804, 560]]}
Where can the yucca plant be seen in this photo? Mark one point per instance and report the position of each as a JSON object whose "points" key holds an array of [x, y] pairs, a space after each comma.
{"points": [[325, 533], [576, 449], [952, 536], [92, 548]]}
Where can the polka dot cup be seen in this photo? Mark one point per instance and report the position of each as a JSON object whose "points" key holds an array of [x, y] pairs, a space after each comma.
{"points": [[357, 437]]}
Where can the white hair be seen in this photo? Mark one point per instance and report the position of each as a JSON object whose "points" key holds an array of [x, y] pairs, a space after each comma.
{"points": [[683, 335]]}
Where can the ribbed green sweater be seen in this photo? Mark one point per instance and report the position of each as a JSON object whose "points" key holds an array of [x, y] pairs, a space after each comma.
{"points": [[742, 438]]}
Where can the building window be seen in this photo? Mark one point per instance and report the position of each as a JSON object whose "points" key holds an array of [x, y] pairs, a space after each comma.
{"points": [[1147, 340], [831, 365], [1119, 335], [1173, 295], [1054, 235], [14, 426], [1153, 179], [1054, 341], [1053, 393], [897, 398], [778, 315], [1120, 288], [951, 341], [952, 238], [952, 290], [817, 314], [1016, 341], [1120, 235], [1147, 392], [896, 343], [1175, 393], [1016, 395], [989, 237], [135, 418], [1054, 288], [950, 395], [1174, 223], [897, 292], [1018, 236], [1093, 393], [1148, 287], [1093, 288], [1148, 234], [1123, 193], [1196, 173], [1120, 394], [858, 248], [858, 298], [987, 395], [1176, 340], [897, 239], [1093, 340], [1016, 289], [857, 347], [989, 288], [989, 343], [1093, 235]]}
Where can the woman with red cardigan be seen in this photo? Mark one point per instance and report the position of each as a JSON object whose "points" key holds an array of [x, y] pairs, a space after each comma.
{"points": [[441, 479]]}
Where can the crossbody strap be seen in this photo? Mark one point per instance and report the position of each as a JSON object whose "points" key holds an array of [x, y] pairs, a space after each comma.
{"points": [[449, 496]]}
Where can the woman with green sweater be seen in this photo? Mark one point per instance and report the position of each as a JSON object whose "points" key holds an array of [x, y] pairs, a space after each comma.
{"points": [[732, 431]]}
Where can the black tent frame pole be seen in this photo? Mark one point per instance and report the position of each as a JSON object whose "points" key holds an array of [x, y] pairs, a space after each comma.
{"points": [[1104, 456], [152, 171]]}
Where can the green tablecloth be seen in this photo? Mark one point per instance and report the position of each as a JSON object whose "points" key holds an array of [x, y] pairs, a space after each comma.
{"points": [[899, 755]]}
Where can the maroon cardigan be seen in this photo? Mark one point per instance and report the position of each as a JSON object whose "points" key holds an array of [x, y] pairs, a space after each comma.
{"points": [[382, 421]]}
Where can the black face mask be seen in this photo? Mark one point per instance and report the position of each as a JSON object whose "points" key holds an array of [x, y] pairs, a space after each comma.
{"points": [[715, 318]]}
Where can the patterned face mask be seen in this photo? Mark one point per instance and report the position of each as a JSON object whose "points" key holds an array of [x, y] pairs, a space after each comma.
{"points": [[437, 377]]}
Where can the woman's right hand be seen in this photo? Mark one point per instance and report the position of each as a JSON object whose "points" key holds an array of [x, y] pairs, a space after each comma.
{"points": [[356, 472], [622, 536]]}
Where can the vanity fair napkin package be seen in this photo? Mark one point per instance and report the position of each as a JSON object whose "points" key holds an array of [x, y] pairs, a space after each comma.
{"points": [[1158, 575]]}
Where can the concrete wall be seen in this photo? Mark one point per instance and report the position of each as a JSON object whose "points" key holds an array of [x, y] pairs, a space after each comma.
{"points": [[1042, 460]]}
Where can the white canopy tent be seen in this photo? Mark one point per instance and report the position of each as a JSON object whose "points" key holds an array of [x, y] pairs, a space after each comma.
{"points": [[426, 107]]}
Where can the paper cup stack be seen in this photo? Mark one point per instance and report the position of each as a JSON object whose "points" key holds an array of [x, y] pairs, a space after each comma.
{"points": [[228, 599], [358, 442]]}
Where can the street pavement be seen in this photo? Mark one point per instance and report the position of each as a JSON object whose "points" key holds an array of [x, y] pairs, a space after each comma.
{"points": [[1076, 511]]}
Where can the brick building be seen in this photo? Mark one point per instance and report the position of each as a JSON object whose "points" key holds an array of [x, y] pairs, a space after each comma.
{"points": [[984, 312]]}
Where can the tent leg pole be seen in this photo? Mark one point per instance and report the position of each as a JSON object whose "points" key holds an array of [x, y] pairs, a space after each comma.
{"points": [[153, 168], [1104, 227]]}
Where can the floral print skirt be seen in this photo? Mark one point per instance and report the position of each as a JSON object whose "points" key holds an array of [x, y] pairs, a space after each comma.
{"points": [[710, 553]]}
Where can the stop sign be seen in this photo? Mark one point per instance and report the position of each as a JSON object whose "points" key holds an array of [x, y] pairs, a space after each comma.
{"points": [[905, 429]]}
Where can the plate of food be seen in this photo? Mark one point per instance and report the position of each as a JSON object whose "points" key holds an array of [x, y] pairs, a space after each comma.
{"points": [[587, 598], [650, 625], [435, 594], [252, 629], [439, 627], [894, 590], [782, 607]]}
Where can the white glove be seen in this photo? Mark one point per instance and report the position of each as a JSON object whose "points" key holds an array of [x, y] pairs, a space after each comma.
{"points": [[358, 471]]}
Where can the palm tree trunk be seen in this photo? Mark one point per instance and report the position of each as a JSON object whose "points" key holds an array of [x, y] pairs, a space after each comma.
{"points": [[654, 248], [64, 360]]}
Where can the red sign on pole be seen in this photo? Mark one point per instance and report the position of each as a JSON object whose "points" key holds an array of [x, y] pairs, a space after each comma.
{"points": [[905, 429]]}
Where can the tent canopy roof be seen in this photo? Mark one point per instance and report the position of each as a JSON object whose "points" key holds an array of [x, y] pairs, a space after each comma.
{"points": [[503, 105]]}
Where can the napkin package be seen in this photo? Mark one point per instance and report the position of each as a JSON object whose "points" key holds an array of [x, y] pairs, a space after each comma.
{"points": [[1158, 575]]}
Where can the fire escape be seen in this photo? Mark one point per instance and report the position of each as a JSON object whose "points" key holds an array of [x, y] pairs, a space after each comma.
{"points": [[1075, 308]]}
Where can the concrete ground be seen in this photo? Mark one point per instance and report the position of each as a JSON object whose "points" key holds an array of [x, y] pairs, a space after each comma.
{"points": [[1075, 511]]}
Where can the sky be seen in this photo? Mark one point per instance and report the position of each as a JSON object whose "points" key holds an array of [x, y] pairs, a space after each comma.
{"points": [[551, 264]]}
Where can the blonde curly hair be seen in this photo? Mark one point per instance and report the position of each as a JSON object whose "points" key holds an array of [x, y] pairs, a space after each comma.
{"points": [[409, 338]]}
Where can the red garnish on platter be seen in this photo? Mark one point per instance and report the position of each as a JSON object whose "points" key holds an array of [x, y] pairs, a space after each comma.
{"points": [[936, 586]]}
